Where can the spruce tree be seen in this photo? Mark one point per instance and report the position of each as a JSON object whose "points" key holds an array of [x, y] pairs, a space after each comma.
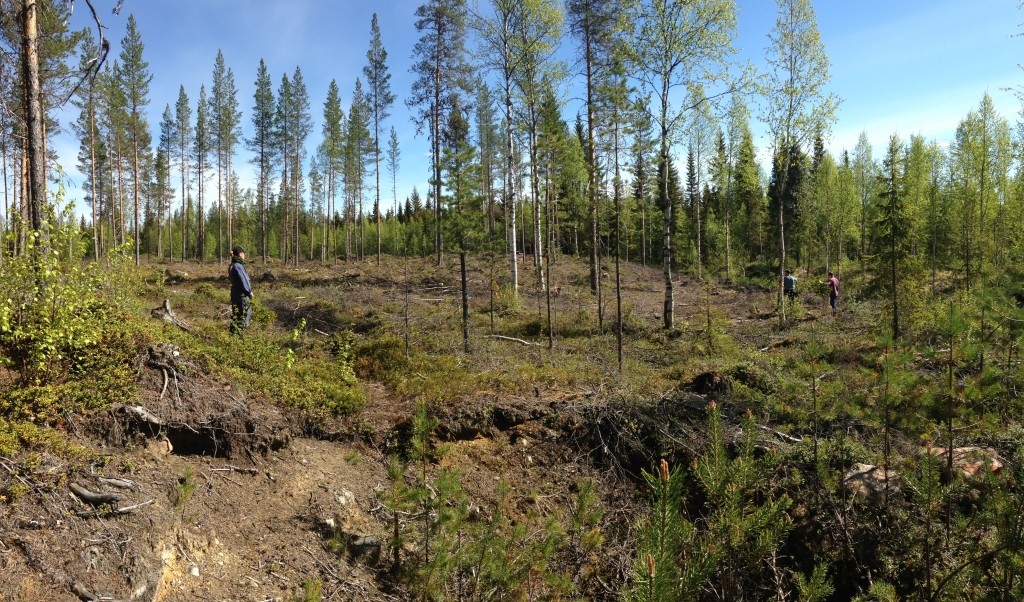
{"points": [[90, 153], [891, 227]]}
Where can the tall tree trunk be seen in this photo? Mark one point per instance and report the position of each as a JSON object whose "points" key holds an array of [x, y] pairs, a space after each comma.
{"points": [[618, 233], [230, 197], [92, 176], [668, 309], [220, 203], [538, 241], [595, 277], [35, 117], [510, 197]]}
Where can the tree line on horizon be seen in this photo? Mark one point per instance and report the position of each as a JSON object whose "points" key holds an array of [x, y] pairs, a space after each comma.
{"points": [[509, 173]]}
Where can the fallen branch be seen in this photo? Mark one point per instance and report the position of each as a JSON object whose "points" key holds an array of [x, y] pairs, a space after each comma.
{"points": [[119, 483], [143, 414], [96, 499], [780, 434], [115, 511], [87, 596], [512, 339], [779, 343], [251, 471]]}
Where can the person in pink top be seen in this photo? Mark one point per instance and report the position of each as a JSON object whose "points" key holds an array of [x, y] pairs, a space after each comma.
{"points": [[833, 291]]}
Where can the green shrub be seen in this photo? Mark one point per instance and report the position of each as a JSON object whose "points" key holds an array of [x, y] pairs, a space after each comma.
{"points": [[207, 292], [65, 328], [382, 359]]}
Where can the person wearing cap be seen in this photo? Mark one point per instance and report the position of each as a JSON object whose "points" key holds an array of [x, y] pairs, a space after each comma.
{"points": [[241, 291]]}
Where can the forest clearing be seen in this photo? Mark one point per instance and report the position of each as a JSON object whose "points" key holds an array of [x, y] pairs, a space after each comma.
{"points": [[281, 462], [606, 308]]}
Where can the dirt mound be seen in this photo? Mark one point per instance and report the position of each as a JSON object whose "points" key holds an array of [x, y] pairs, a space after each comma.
{"points": [[192, 412]]}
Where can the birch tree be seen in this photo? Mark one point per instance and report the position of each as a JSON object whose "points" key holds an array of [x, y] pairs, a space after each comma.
{"points": [[797, 105], [679, 44]]}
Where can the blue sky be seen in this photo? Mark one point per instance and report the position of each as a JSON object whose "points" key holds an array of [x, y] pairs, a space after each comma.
{"points": [[900, 66]]}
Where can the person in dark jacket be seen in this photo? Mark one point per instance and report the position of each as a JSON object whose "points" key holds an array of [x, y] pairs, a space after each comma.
{"points": [[241, 291]]}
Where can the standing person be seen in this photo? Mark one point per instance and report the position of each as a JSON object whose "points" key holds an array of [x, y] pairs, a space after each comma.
{"points": [[789, 286], [241, 291], [833, 291]]}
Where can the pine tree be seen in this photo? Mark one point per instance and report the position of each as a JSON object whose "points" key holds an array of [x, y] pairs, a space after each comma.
{"points": [[183, 129], [225, 119], [284, 132], [302, 126], [135, 79], [168, 140], [439, 65], [379, 98], [358, 147], [334, 151], [201, 151], [262, 146]]}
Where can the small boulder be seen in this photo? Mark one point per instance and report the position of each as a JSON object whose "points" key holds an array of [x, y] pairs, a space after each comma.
{"points": [[869, 481], [175, 276], [268, 277], [972, 461]]}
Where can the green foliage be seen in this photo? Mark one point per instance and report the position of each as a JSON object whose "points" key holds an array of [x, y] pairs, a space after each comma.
{"points": [[311, 377], [816, 589], [741, 524], [65, 334], [444, 553], [184, 489], [312, 591], [16, 437], [381, 358], [54, 312]]}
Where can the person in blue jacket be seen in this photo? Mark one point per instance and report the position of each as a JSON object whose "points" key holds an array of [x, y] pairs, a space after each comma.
{"points": [[241, 291]]}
